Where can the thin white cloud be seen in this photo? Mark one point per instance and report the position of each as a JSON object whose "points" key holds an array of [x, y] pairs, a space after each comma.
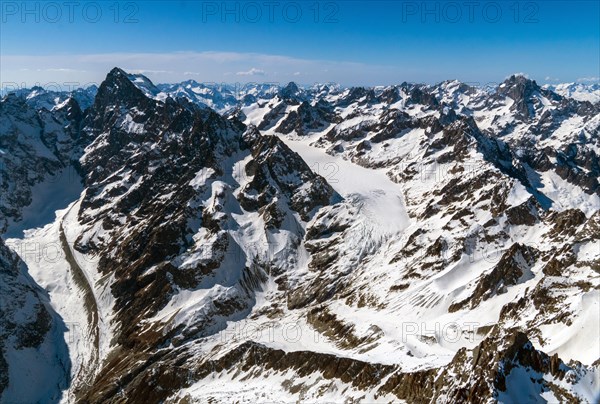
{"points": [[588, 79], [65, 70], [206, 66], [252, 72], [146, 71], [518, 74]]}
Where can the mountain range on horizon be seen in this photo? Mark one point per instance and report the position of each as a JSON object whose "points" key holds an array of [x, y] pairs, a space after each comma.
{"points": [[223, 95]]}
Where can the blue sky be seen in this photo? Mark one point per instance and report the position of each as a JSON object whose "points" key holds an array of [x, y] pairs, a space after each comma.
{"points": [[349, 42]]}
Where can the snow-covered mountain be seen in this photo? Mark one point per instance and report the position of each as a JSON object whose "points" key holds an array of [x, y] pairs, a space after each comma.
{"points": [[413, 242], [50, 99], [220, 97], [578, 91], [37, 147]]}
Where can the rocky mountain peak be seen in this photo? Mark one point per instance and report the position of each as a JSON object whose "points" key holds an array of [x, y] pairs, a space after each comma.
{"points": [[523, 92], [120, 87], [290, 91], [518, 87]]}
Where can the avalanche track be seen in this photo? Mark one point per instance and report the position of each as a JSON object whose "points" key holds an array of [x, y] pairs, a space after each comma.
{"points": [[86, 373]]}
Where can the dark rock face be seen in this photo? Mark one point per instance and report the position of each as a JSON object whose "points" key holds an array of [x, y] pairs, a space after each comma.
{"points": [[307, 118], [581, 167], [421, 96], [524, 214], [511, 268], [567, 222], [279, 167], [478, 375], [590, 231], [520, 90]]}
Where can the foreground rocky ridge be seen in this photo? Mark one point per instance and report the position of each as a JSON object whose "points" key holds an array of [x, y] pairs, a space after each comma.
{"points": [[430, 282]]}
